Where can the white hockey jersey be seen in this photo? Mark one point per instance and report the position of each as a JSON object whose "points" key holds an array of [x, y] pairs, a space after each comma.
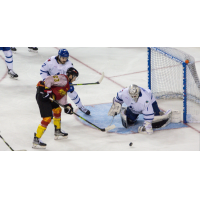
{"points": [[142, 106], [52, 67]]}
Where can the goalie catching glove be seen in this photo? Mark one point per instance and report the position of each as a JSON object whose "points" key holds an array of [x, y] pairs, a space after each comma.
{"points": [[115, 108], [68, 109]]}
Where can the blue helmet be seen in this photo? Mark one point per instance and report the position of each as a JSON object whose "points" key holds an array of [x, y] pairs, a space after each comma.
{"points": [[63, 53]]}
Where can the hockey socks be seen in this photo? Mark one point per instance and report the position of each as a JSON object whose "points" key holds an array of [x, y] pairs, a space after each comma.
{"points": [[57, 123], [42, 128]]}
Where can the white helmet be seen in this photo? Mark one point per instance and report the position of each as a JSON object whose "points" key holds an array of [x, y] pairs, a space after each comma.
{"points": [[134, 92]]}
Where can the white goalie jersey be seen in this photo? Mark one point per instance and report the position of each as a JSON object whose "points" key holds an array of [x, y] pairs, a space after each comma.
{"points": [[52, 67], [142, 106]]}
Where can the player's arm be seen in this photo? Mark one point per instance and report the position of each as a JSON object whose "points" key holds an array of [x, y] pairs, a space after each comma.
{"points": [[117, 104], [51, 80], [148, 115], [42, 91], [44, 70]]}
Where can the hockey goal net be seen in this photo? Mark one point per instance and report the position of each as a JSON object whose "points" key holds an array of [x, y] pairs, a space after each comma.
{"points": [[172, 75]]}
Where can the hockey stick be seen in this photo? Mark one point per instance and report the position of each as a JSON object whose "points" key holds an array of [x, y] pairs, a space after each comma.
{"points": [[9, 145], [101, 129], [6, 143], [113, 119], [98, 82]]}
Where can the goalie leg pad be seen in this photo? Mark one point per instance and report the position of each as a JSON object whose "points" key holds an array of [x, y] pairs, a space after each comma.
{"points": [[161, 124], [176, 116], [124, 117], [162, 121]]}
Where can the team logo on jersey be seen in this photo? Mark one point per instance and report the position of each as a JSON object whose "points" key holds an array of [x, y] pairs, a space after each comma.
{"points": [[62, 92], [49, 60], [147, 102]]}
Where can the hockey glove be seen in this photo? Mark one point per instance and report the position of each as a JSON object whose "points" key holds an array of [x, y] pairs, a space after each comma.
{"points": [[68, 109], [71, 88], [47, 90], [146, 128], [44, 96]]}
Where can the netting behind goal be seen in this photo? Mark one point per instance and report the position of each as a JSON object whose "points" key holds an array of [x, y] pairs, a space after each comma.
{"points": [[169, 77]]}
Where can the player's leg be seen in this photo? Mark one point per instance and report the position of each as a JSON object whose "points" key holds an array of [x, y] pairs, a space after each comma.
{"points": [[46, 114], [128, 118], [76, 99], [9, 61], [57, 121]]}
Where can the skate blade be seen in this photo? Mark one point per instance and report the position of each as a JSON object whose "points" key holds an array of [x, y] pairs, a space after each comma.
{"points": [[30, 50], [12, 77], [38, 147], [60, 137]]}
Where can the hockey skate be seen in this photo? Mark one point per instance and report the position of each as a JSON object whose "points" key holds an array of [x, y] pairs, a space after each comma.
{"points": [[85, 110], [37, 143], [59, 134], [33, 49], [13, 49], [12, 73]]}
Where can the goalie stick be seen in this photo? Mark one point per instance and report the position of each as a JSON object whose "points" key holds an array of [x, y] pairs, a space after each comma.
{"points": [[98, 82], [9, 145], [101, 129]]}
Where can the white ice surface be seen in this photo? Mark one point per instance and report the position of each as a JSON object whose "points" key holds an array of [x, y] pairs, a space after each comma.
{"points": [[20, 116]]}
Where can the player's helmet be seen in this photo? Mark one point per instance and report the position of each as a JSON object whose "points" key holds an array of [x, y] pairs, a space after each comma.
{"points": [[63, 53], [72, 71], [134, 92]]}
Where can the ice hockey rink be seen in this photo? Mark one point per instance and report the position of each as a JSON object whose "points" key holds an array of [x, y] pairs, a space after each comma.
{"points": [[20, 115]]}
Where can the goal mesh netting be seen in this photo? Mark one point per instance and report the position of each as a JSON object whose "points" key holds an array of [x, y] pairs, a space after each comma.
{"points": [[170, 78]]}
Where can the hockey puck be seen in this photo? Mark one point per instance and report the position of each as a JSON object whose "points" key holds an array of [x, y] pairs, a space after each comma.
{"points": [[130, 144]]}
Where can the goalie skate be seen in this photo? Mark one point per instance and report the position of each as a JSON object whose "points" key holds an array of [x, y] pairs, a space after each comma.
{"points": [[37, 143], [59, 134], [33, 49]]}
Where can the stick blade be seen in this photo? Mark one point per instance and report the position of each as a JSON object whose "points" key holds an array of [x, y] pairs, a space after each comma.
{"points": [[110, 128], [21, 150], [101, 78]]}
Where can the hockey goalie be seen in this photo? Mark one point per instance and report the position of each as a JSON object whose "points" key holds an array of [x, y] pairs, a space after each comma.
{"points": [[141, 101]]}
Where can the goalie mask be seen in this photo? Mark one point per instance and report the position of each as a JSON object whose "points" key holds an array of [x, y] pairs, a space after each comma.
{"points": [[134, 92]]}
